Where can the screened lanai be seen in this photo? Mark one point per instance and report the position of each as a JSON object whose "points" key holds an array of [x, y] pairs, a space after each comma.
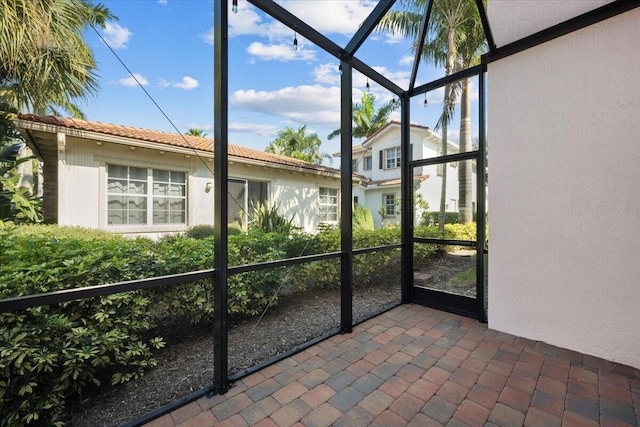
{"points": [[550, 91]]}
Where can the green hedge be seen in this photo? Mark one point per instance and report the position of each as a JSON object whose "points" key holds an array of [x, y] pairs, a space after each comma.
{"points": [[52, 352], [449, 217]]}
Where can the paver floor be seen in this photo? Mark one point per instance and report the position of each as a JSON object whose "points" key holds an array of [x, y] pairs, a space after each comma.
{"points": [[415, 366]]}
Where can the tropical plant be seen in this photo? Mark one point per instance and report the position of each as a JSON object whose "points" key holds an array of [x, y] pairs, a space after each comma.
{"points": [[366, 119], [196, 132], [297, 144], [456, 39], [17, 202], [45, 67], [45, 64], [267, 219]]}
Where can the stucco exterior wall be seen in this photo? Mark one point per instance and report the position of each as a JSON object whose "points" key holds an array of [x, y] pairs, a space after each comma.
{"points": [[82, 183], [563, 127]]}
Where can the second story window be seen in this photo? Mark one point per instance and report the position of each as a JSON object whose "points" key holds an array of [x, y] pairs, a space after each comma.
{"points": [[367, 163], [392, 158], [354, 165]]}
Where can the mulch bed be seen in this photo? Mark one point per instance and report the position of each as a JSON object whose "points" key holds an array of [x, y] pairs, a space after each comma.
{"points": [[186, 363]]}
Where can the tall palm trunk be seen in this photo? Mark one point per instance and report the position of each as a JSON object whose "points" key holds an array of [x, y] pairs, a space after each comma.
{"points": [[465, 203], [443, 191], [445, 121]]}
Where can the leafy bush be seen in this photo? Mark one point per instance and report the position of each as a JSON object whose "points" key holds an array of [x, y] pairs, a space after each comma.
{"points": [[433, 217], [49, 353], [362, 218], [52, 352], [234, 228], [200, 231]]}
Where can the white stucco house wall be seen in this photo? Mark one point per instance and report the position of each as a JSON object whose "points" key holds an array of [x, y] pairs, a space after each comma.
{"points": [[378, 159], [146, 183], [563, 121]]}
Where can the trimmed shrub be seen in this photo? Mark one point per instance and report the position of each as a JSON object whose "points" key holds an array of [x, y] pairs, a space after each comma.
{"points": [[50, 353], [362, 218], [434, 217], [200, 231]]}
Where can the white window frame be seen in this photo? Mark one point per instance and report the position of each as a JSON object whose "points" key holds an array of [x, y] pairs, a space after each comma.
{"points": [[367, 163], [395, 160], [148, 196], [386, 205], [323, 204]]}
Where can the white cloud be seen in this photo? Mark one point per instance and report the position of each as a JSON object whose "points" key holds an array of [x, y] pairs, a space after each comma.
{"points": [[280, 52], [406, 60], [255, 128], [131, 80], [208, 37], [187, 83], [116, 36], [391, 38], [308, 104], [327, 17], [326, 73], [401, 78], [163, 2], [208, 128], [248, 22]]}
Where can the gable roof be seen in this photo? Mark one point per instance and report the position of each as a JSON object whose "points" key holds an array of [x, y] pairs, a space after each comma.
{"points": [[89, 129], [367, 142]]}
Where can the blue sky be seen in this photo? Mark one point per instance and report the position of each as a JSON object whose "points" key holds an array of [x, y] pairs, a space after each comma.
{"points": [[168, 45]]}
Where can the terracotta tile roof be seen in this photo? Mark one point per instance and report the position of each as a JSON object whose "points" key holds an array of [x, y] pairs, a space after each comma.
{"points": [[397, 181], [174, 139]]}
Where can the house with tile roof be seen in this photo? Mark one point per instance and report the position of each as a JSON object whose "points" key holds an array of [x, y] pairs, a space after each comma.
{"points": [[142, 182], [378, 159]]}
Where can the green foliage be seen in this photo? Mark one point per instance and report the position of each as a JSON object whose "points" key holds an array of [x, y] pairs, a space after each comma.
{"points": [[362, 218], [51, 353], [200, 231], [267, 219], [366, 119], [465, 278], [297, 144], [17, 202], [433, 217], [234, 229]]}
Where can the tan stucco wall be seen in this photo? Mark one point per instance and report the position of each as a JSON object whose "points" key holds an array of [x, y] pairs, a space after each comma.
{"points": [[563, 128]]}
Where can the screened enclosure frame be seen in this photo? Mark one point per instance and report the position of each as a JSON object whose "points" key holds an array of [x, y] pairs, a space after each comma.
{"points": [[348, 62]]}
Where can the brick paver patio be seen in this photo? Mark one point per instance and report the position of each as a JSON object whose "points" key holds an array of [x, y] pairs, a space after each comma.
{"points": [[414, 366]]}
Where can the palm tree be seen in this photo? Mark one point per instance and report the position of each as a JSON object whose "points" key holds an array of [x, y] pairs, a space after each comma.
{"points": [[196, 132], [455, 40], [367, 120], [45, 64], [297, 144]]}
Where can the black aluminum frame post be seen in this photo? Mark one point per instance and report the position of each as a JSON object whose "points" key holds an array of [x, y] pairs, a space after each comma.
{"points": [[481, 202], [346, 226], [221, 175], [406, 203]]}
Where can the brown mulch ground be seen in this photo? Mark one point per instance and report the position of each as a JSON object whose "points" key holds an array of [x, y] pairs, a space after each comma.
{"points": [[186, 363]]}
